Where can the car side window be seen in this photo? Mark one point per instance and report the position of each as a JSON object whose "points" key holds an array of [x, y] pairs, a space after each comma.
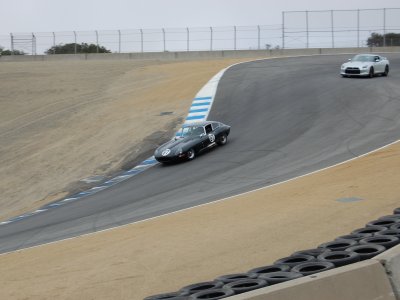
{"points": [[208, 128]]}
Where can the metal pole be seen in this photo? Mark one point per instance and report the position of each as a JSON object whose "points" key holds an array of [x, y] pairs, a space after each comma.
{"points": [[119, 41], [54, 42], [211, 38], [307, 44], [163, 32], [141, 39], [12, 44], [234, 37], [358, 28], [75, 42], [187, 38], [33, 44], [283, 30], [97, 41], [384, 27], [333, 36], [259, 36]]}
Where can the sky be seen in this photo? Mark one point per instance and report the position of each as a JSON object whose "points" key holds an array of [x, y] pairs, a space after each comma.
{"points": [[79, 15]]}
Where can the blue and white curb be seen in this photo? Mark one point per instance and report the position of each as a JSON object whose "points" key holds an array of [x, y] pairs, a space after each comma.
{"points": [[198, 112]]}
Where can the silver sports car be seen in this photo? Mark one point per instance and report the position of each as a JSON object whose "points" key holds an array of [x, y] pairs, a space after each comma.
{"points": [[365, 65]]}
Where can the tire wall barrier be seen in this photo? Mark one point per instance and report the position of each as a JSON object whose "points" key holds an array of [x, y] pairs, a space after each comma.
{"points": [[194, 55]]}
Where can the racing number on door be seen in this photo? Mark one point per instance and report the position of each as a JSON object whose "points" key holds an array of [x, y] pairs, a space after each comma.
{"points": [[211, 137]]}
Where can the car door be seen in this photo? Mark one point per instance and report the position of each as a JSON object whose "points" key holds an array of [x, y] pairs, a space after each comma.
{"points": [[210, 137], [379, 64]]}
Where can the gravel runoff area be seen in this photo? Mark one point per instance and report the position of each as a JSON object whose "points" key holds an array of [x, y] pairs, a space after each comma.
{"points": [[39, 146]]}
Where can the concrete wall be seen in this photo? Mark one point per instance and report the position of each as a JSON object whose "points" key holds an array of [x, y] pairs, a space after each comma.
{"points": [[377, 278], [193, 55]]}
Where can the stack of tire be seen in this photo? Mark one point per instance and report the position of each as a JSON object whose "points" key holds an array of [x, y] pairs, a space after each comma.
{"points": [[363, 243]]}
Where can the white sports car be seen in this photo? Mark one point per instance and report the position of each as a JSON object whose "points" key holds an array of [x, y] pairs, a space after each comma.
{"points": [[365, 65]]}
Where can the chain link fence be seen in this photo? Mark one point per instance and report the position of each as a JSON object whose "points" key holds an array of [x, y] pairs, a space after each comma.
{"points": [[299, 29]]}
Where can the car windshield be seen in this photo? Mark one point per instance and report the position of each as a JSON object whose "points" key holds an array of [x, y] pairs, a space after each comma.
{"points": [[192, 131], [363, 58]]}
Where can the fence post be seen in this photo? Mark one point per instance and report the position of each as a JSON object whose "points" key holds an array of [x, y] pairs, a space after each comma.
{"points": [[33, 44], [333, 36], [187, 38], [75, 42], [283, 30], [97, 41], [141, 39], [119, 41], [234, 37], [12, 43], [358, 28], [163, 32], [54, 42], [384, 27], [258, 36], [307, 44], [211, 38]]}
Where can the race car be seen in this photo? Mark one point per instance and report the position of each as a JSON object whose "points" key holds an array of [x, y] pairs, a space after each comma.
{"points": [[367, 65], [192, 139]]}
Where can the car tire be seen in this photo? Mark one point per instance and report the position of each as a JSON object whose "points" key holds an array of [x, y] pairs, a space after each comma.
{"points": [[371, 72], [313, 267], [200, 287], [313, 252], [269, 269], [387, 241], [396, 211], [294, 260], [386, 73], [191, 154], [338, 245], [278, 277], [339, 258], [246, 285], [169, 296], [215, 294], [367, 251], [222, 140], [385, 222], [235, 277]]}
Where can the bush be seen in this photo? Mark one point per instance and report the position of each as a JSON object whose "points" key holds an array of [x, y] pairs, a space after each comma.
{"points": [[80, 48]]}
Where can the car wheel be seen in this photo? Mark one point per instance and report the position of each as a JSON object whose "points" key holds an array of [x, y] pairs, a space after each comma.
{"points": [[191, 154], [222, 140], [371, 72], [386, 71]]}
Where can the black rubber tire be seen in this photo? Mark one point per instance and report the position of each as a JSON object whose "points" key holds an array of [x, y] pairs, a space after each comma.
{"points": [[222, 140], [278, 277], [394, 226], [313, 267], [386, 241], [294, 260], [386, 73], [201, 286], [235, 277], [338, 245], [371, 73], [212, 294], [169, 296], [339, 258], [369, 229], [313, 252], [385, 222], [269, 269], [246, 285], [191, 154], [391, 232], [394, 216], [396, 211], [367, 251], [356, 237]]}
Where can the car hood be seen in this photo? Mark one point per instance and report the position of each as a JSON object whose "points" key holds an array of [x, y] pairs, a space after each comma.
{"points": [[357, 64], [176, 143]]}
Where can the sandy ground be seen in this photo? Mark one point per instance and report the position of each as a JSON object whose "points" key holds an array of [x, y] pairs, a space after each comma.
{"points": [[199, 244], [61, 122]]}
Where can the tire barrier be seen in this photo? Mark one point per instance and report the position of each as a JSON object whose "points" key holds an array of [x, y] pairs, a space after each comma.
{"points": [[338, 245], [269, 269], [313, 267], [278, 277], [386, 241], [339, 258], [212, 294], [294, 260], [361, 244], [246, 285], [235, 277], [366, 251]]}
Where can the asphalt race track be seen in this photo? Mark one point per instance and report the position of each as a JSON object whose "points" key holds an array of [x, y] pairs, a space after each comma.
{"points": [[289, 116]]}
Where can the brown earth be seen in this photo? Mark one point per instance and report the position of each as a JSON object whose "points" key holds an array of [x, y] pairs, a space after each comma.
{"points": [[199, 244]]}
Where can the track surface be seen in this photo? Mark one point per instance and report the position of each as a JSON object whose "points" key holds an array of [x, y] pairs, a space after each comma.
{"points": [[289, 117]]}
